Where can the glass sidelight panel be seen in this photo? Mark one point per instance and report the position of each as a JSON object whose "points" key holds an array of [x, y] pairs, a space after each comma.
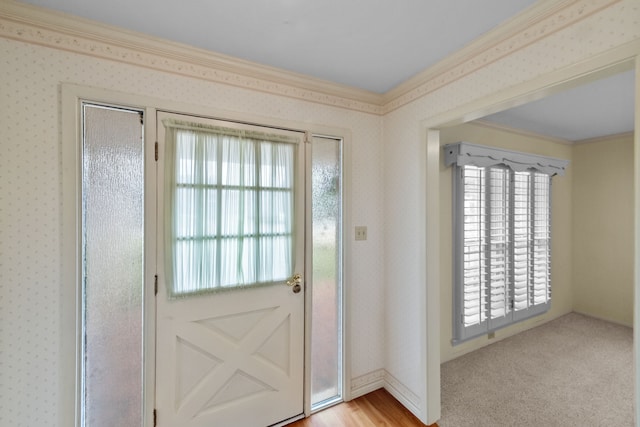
{"points": [[112, 268], [326, 333]]}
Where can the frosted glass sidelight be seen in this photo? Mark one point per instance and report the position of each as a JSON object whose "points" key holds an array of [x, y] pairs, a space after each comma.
{"points": [[112, 285], [326, 334]]}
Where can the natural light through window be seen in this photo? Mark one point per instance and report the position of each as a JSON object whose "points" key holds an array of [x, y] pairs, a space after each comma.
{"points": [[229, 209], [502, 237], [326, 325]]}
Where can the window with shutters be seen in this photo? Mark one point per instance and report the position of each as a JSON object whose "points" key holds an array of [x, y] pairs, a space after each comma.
{"points": [[502, 236]]}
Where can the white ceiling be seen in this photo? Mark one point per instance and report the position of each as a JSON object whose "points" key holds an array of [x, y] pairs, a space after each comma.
{"points": [[604, 107], [368, 44]]}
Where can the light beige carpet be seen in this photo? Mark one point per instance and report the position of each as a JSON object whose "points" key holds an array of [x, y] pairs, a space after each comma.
{"points": [[573, 371]]}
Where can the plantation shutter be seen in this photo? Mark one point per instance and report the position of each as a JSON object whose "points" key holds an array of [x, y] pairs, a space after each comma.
{"points": [[521, 241], [474, 240], [499, 209], [502, 214], [541, 238]]}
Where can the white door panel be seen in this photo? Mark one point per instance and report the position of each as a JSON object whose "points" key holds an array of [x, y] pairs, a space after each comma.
{"points": [[235, 357], [244, 356]]}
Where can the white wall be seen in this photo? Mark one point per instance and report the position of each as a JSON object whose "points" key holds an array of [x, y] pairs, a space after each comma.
{"points": [[603, 242], [30, 209]]}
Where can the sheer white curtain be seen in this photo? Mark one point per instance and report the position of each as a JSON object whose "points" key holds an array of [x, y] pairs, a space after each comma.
{"points": [[229, 207]]}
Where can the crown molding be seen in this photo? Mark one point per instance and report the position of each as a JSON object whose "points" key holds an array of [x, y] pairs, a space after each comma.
{"points": [[538, 21], [32, 24], [528, 134], [606, 138]]}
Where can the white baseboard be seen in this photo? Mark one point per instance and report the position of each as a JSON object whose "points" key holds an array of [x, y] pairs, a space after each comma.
{"points": [[406, 397], [367, 383], [380, 378]]}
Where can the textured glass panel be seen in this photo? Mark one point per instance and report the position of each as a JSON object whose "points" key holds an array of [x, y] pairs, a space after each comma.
{"points": [[327, 223], [113, 215]]}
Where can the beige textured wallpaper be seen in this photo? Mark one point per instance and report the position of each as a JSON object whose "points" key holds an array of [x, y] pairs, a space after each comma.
{"points": [[30, 209], [387, 194]]}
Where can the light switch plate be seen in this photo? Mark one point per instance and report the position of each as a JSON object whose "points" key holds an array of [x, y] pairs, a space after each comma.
{"points": [[361, 232]]}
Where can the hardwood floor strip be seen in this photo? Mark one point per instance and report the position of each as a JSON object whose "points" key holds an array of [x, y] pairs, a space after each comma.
{"points": [[376, 409]]}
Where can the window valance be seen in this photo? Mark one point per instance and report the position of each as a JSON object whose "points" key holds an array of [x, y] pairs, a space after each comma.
{"points": [[465, 153]]}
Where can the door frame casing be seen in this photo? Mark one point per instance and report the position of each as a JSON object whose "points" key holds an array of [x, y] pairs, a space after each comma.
{"points": [[71, 268]]}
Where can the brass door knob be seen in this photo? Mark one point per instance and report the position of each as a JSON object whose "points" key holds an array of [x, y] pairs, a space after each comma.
{"points": [[295, 280]]}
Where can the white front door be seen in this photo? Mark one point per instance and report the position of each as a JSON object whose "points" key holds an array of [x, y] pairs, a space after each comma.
{"points": [[230, 330]]}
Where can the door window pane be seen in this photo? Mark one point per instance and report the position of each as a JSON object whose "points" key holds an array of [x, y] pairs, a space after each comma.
{"points": [[229, 215]]}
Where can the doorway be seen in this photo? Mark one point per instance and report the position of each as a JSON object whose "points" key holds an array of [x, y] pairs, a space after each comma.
{"points": [[620, 60], [199, 369]]}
